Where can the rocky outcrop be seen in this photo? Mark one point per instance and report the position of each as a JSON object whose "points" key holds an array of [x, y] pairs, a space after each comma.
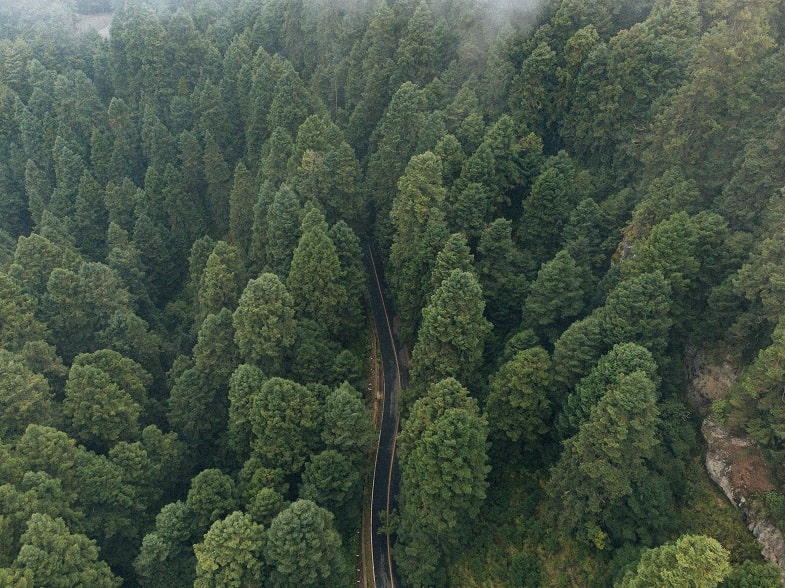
{"points": [[735, 463], [737, 466]]}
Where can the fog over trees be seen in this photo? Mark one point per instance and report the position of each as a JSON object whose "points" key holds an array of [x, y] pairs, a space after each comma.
{"points": [[571, 199]]}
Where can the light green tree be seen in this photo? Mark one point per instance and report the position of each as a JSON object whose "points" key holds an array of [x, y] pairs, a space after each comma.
{"points": [[304, 549], [692, 561], [59, 559], [232, 554]]}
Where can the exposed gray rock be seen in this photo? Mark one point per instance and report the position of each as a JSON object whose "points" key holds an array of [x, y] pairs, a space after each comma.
{"points": [[737, 466]]}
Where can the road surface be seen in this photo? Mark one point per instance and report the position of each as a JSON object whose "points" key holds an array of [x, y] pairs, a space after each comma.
{"points": [[386, 478]]}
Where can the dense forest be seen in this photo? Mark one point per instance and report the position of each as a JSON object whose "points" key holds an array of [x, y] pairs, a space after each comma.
{"points": [[573, 199]]}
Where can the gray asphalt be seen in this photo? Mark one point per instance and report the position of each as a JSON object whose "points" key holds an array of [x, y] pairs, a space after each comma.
{"points": [[386, 473]]}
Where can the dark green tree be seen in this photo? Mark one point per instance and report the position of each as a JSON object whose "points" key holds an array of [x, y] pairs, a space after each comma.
{"points": [[556, 297], [243, 386], [421, 48], [79, 305], [350, 255], [636, 310], [623, 359], [323, 168], [347, 428], [286, 420], [211, 497], [501, 270], [119, 200], [242, 198], [443, 460], [198, 402], [455, 255], [420, 233], [391, 146], [18, 323], [25, 397], [223, 280], [283, 230], [316, 278], [89, 221], [166, 556], [605, 469], [518, 407], [264, 323], [218, 176], [560, 185], [751, 574], [34, 259], [275, 156], [330, 480], [452, 336], [101, 413]]}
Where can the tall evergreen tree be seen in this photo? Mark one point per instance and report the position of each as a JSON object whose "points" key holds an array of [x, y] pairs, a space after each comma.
{"points": [[443, 480], [452, 336]]}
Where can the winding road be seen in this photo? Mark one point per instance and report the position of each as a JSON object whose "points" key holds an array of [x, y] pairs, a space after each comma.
{"points": [[386, 478]]}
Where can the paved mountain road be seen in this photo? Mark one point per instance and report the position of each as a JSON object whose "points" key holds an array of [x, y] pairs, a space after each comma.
{"points": [[386, 479]]}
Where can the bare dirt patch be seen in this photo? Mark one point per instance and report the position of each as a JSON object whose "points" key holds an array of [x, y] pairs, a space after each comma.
{"points": [[741, 461]]}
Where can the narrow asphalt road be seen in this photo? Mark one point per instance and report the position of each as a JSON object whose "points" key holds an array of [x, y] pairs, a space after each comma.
{"points": [[386, 479]]}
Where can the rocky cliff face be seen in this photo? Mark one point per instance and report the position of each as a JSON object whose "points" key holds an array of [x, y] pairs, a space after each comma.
{"points": [[734, 463], [737, 466]]}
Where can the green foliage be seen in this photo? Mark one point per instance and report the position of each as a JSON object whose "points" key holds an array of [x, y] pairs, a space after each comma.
{"points": [[264, 322], [101, 413], [752, 574], [164, 556], [419, 235], [755, 400], [303, 548], [211, 496], [241, 203], [198, 402], [223, 280], [347, 428], [497, 162], [231, 553], [636, 310], [455, 255], [443, 460], [518, 407], [692, 560], [323, 168], [610, 454], [285, 419], [623, 359], [283, 230], [451, 339], [25, 397], [560, 185], [244, 384], [57, 559], [330, 480], [315, 277], [556, 297]]}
